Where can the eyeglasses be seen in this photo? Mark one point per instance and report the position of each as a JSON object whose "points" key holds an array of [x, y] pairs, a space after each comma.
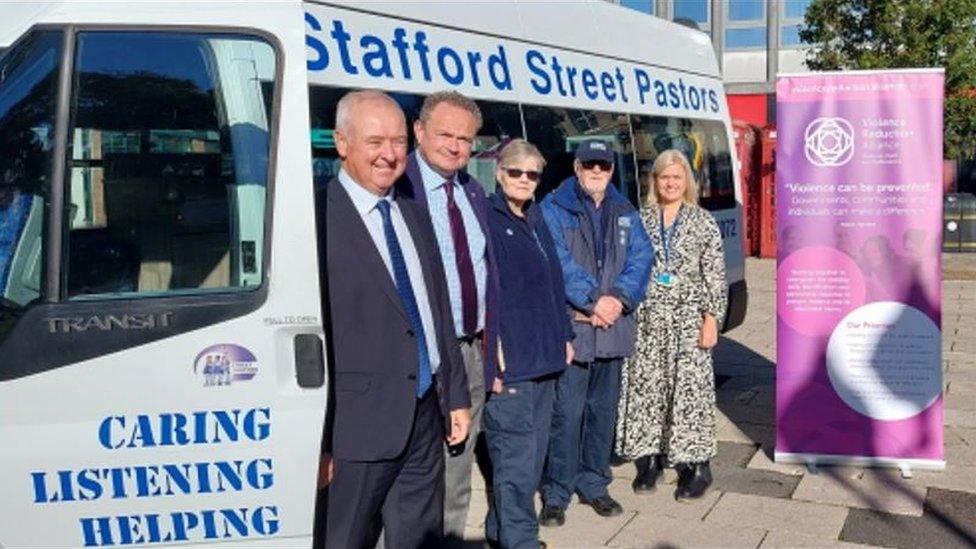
{"points": [[516, 173], [603, 165]]}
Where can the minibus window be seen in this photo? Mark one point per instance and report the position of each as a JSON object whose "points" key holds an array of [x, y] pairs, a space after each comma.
{"points": [[28, 90], [501, 123], [168, 163], [557, 132], [706, 145]]}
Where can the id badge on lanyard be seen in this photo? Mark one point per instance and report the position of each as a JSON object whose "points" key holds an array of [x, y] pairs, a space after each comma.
{"points": [[666, 277]]}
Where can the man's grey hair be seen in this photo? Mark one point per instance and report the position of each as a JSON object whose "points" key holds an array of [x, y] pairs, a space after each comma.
{"points": [[351, 100], [455, 99]]}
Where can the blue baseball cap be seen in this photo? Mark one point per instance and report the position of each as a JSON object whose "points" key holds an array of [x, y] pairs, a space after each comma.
{"points": [[594, 149]]}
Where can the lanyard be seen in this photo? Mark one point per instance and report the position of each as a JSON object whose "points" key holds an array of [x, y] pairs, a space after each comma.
{"points": [[667, 237]]}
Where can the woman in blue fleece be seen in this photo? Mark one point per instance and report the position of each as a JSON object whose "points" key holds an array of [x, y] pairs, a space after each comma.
{"points": [[534, 347]]}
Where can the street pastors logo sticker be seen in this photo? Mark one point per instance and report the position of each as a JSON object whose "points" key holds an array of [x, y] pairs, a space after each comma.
{"points": [[829, 142], [225, 364]]}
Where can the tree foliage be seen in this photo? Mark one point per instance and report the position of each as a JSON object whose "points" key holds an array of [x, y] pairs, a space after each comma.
{"points": [[883, 34]]}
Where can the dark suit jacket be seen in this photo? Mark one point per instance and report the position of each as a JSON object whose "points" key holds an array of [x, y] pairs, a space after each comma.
{"points": [[412, 185], [373, 353]]}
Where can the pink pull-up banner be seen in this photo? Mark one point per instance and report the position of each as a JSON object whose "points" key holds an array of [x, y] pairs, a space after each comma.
{"points": [[859, 228]]}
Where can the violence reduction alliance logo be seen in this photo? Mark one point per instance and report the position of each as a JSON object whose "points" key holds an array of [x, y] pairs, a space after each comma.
{"points": [[225, 364], [829, 142]]}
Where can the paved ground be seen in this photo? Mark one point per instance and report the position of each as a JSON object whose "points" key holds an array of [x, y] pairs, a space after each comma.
{"points": [[757, 503]]}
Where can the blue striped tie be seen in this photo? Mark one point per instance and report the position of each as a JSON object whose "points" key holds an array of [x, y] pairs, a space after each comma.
{"points": [[407, 298]]}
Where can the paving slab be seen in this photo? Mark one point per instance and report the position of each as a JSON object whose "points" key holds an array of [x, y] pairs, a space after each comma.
{"points": [[762, 460], [790, 540], [814, 519], [960, 418], [744, 413], [882, 492], [733, 454], [966, 435], [584, 528], [964, 455], [661, 502], [648, 531], [742, 432], [953, 477], [754, 481], [949, 521]]}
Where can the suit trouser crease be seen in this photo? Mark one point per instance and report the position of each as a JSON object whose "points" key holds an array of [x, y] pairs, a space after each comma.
{"points": [[517, 425], [408, 490], [584, 416], [457, 475]]}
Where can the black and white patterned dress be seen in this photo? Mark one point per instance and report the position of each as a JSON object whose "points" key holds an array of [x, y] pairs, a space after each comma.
{"points": [[667, 387]]}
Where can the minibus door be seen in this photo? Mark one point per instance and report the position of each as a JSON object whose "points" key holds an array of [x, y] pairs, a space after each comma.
{"points": [[162, 376]]}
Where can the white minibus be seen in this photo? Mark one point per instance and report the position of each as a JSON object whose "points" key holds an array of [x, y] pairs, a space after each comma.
{"points": [[162, 350]]}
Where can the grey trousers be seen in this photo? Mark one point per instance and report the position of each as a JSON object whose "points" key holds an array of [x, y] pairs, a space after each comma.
{"points": [[457, 471]]}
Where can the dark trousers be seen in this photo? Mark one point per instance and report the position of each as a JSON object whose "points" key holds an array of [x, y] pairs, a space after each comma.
{"points": [[408, 491], [517, 422], [581, 440]]}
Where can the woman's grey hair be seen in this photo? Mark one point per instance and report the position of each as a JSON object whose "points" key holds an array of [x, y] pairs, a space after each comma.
{"points": [[518, 150], [351, 100], [452, 98], [668, 158]]}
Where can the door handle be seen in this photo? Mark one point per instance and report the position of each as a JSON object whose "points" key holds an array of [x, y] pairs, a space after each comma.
{"points": [[309, 361]]}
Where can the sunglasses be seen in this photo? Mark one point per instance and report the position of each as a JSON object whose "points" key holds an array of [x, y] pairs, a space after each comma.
{"points": [[516, 173], [603, 164]]}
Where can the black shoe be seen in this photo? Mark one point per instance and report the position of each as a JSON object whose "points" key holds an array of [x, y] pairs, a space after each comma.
{"points": [[648, 471], [693, 480], [552, 516], [605, 506]]}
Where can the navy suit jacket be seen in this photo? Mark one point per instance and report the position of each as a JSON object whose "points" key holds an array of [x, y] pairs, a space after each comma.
{"points": [[372, 348], [412, 185]]}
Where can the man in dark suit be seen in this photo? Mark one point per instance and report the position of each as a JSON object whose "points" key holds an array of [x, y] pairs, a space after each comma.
{"points": [[435, 176], [398, 377]]}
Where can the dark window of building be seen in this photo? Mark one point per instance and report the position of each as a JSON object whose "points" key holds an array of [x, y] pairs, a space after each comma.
{"points": [[747, 10], [745, 38], [168, 163], [696, 10], [645, 6], [795, 9], [792, 17]]}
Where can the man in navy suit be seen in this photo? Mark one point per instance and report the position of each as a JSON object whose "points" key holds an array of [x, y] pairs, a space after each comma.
{"points": [[398, 384], [436, 177]]}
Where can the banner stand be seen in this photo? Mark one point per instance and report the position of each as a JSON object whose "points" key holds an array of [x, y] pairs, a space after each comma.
{"points": [[905, 465], [858, 269]]}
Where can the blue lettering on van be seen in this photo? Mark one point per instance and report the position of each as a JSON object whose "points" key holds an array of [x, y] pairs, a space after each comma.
{"points": [[179, 526], [321, 59], [410, 53], [534, 61], [121, 482], [180, 429]]}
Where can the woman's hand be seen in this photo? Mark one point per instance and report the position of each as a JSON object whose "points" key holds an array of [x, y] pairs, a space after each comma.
{"points": [[570, 352], [709, 332]]}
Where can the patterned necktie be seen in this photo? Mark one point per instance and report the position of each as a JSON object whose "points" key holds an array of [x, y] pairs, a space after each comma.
{"points": [[407, 298], [462, 258]]}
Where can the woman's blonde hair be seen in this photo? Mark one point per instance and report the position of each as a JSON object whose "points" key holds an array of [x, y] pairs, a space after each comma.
{"points": [[517, 150], [664, 160]]}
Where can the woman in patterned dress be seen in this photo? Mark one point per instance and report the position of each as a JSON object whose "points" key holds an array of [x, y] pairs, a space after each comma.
{"points": [[667, 396]]}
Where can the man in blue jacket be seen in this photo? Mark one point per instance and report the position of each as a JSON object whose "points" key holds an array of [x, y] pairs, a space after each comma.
{"points": [[606, 259]]}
